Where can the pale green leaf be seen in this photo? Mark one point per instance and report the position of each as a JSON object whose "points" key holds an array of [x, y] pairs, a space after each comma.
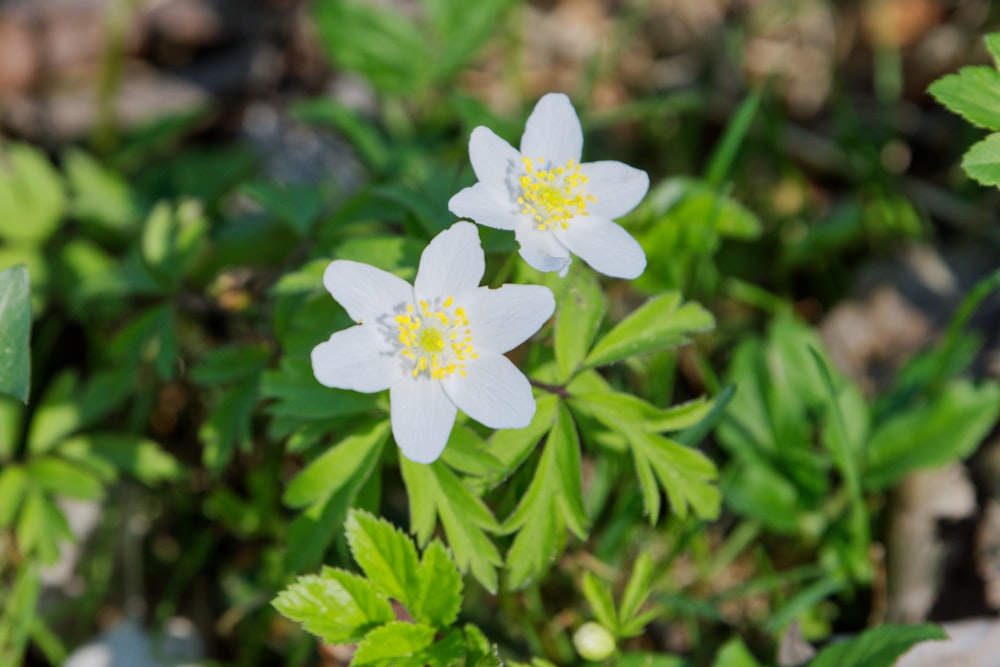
{"points": [[982, 161], [336, 606], [57, 416], [511, 446], [15, 331], [32, 198], [614, 409], [398, 644], [41, 526], [638, 587], [581, 311], [13, 486], [337, 466], [686, 474], [440, 584], [735, 654], [100, 195], [385, 554], [660, 323], [878, 647], [973, 93]]}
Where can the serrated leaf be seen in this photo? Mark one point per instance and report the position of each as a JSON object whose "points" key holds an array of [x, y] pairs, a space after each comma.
{"points": [[973, 93], [579, 317], [440, 584], [878, 647], [660, 323], [15, 332], [396, 643], [337, 466], [479, 652], [385, 554], [553, 501], [435, 491], [336, 606], [982, 161]]}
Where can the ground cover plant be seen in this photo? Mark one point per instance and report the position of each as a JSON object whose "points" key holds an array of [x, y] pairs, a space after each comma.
{"points": [[567, 367]]}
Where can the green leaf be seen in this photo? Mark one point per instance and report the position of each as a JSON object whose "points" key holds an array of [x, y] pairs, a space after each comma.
{"points": [[13, 487], [230, 363], [878, 647], [613, 408], [982, 161], [440, 586], [469, 454], [100, 195], [725, 153], [735, 654], [660, 323], [110, 453], [41, 526], [685, 474], [32, 199], [580, 314], [435, 491], [57, 416], [298, 206], [60, 477], [171, 239], [511, 446], [479, 652], [15, 331], [385, 554], [992, 41], [973, 93], [364, 136], [336, 606], [598, 596], [394, 644], [553, 501], [337, 466], [948, 428], [638, 588], [228, 425]]}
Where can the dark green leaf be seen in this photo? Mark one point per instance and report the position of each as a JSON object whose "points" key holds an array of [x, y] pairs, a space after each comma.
{"points": [[298, 206], [15, 331]]}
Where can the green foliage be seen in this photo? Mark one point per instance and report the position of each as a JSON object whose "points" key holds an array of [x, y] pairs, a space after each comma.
{"points": [[974, 93], [878, 647], [342, 608], [15, 330]]}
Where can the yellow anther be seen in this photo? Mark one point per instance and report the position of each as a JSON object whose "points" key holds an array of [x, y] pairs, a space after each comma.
{"points": [[436, 340], [553, 196]]}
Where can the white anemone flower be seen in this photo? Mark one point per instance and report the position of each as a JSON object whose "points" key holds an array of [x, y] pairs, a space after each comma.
{"points": [[555, 204], [437, 345]]}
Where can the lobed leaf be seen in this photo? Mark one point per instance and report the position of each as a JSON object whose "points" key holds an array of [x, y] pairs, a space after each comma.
{"points": [[440, 588], [397, 643], [385, 554], [337, 606], [659, 324], [973, 93]]}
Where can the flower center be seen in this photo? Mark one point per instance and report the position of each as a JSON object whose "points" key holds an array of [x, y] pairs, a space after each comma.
{"points": [[436, 340], [552, 196]]}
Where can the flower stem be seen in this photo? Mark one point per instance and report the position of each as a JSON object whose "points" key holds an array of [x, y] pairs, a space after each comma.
{"points": [[558, 390]]}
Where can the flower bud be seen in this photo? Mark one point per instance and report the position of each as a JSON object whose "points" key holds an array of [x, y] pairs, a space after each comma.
{"points": [[593, 642]]}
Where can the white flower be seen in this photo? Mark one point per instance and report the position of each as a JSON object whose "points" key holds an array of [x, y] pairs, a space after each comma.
{"points": [[554, 204], [436, 345]]}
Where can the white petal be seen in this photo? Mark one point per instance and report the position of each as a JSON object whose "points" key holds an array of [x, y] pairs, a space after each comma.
{"points": [[541, 250], [553, 131], [422, 416], [503, 318], [453, 262], [617, 187], [364, 291], [605, 246], [494, 392], [494, 160], [355, 359], [486, 205]]}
